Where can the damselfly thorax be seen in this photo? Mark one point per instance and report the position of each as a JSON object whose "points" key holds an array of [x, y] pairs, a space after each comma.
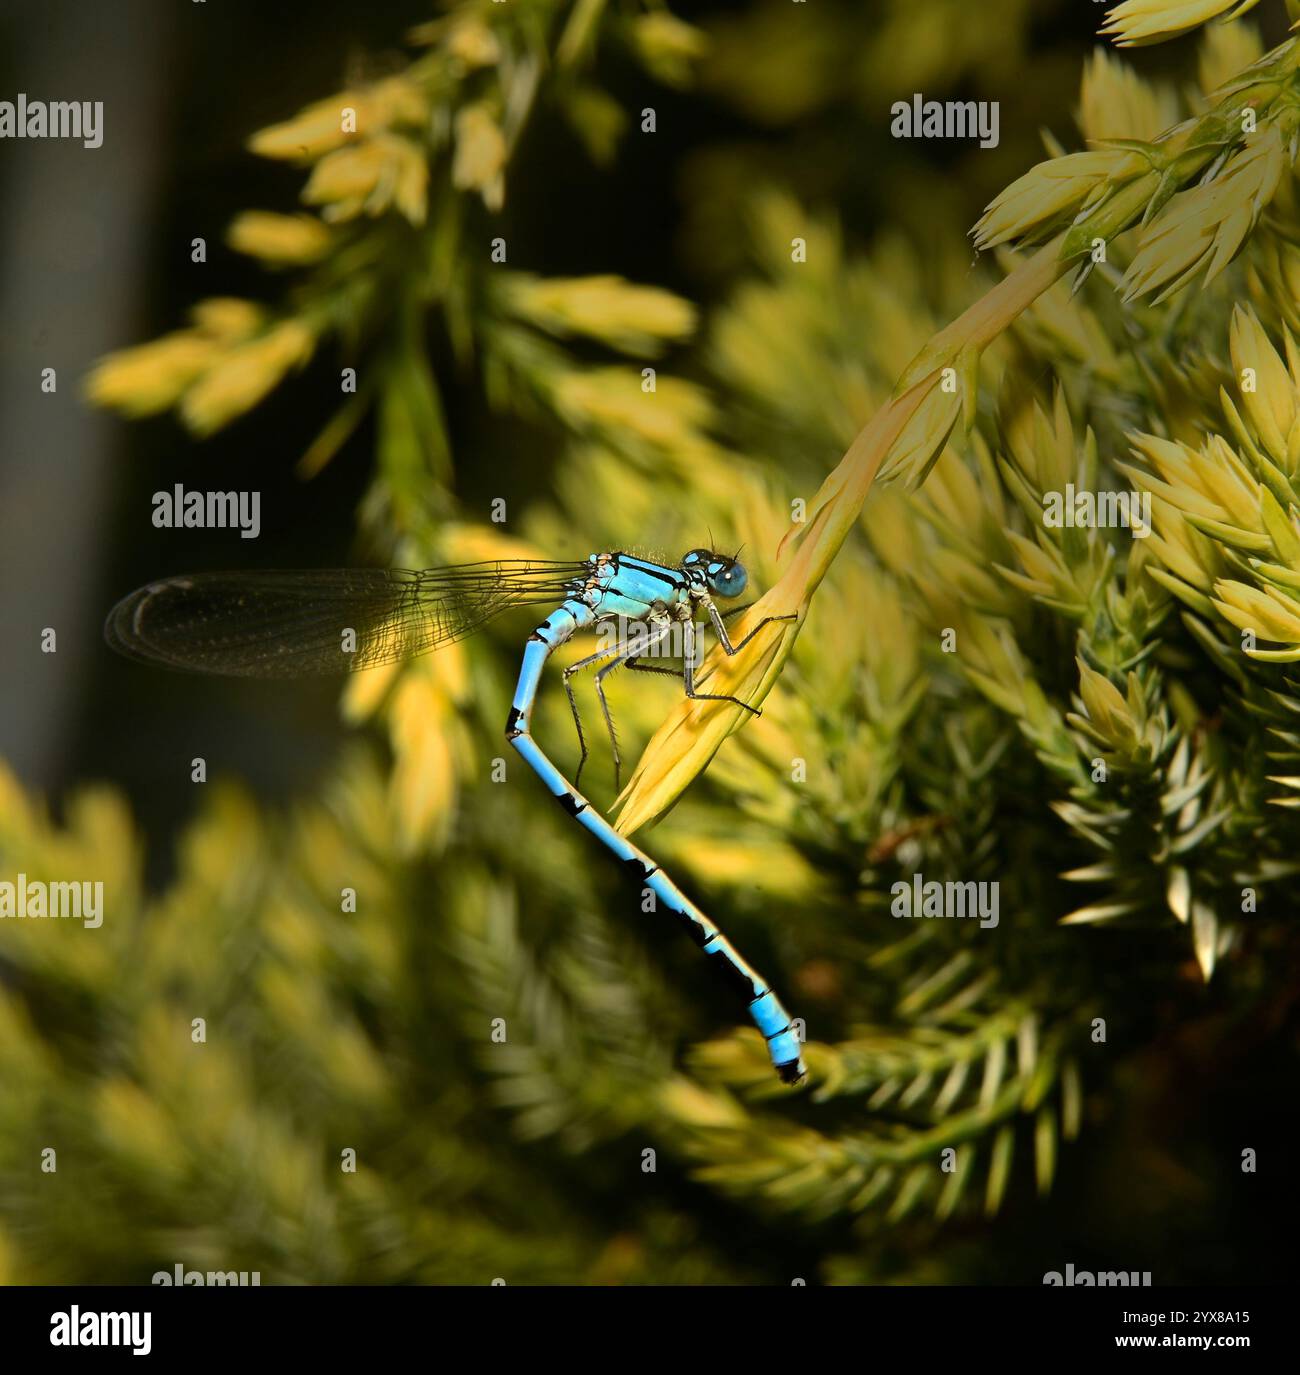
{"points": [[624, 584]]}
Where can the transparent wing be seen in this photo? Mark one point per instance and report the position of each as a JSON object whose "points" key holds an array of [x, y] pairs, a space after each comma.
{"points": [[291, 624]]}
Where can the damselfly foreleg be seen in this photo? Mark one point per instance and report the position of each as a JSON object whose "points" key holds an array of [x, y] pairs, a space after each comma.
{"points": [[688, 663], [719, 625]]}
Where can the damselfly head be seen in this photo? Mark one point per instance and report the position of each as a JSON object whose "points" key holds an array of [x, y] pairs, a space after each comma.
{"points": [[725, 577]]}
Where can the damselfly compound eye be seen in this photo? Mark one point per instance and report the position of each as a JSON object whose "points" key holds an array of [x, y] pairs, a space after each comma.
{"points": [[729, 581]]}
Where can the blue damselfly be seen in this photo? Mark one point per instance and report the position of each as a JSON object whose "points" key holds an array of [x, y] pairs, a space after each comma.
{"points": [[288, 624]]}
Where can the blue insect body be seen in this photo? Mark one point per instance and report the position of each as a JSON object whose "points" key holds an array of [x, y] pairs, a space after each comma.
{"points": [[286, 624]]}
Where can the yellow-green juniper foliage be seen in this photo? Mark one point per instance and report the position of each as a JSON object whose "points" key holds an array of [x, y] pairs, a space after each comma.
{"points": [[1101, 721]]}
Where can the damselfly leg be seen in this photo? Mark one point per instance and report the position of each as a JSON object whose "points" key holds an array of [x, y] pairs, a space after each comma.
{"points": [[688, 661], [631, 660], [582, 664], [720, 625]]}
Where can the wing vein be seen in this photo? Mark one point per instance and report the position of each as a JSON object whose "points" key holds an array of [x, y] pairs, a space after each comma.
{"points": [[293, 623]]}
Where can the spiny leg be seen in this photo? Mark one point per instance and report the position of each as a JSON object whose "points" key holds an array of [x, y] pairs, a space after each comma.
{"points": [[688, 675], [636, 667], [633, 666], [609, 722], [630, 661], [688, 666], [720, 627], [590, 661]]}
